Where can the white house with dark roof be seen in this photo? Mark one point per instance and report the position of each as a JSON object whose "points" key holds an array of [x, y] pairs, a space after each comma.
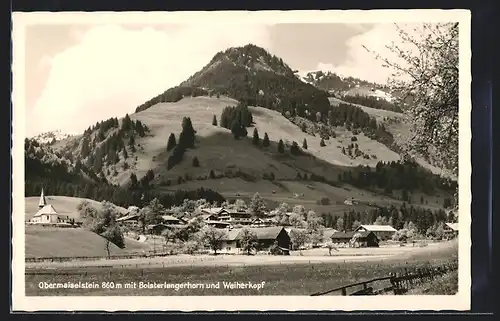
{"points": [[383, 232], [451, 230]]}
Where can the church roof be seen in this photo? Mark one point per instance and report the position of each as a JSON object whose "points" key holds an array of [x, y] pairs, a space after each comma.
{"points": [[47, 209]]}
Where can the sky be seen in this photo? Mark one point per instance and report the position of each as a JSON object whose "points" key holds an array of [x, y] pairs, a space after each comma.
{"points": [[76, 75]]}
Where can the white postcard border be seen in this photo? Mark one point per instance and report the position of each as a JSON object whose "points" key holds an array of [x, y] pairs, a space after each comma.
{"points": [[460, 301]]}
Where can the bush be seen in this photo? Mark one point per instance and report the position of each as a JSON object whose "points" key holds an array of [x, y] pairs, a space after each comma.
{"points": [[354, 139], [196, 162], [323, 201]]}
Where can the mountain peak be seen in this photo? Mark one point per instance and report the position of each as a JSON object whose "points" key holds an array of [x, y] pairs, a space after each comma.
{"points": [[249, 59]]}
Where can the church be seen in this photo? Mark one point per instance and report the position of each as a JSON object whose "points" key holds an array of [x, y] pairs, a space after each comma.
{"points": [[47, 214]]}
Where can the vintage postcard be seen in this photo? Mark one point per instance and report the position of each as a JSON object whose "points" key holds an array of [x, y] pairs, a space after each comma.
{"points": [[182, 160]]}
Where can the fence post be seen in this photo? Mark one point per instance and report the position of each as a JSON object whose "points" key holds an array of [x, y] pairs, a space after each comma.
{"points": [[344, 292]]}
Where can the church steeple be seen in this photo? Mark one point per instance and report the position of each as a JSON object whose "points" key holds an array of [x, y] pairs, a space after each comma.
{"points": [[42, 201]]}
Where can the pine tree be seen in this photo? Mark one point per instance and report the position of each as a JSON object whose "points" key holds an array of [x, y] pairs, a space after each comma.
{"points": [[131, 140], [281, 147], [133, 181], [322, 143], [214, 121], [294, 149], [196, 162], [187, 136], [265, 141], [127, 123], [211, 175], [304, 144], [171, 142], [256, 139]]}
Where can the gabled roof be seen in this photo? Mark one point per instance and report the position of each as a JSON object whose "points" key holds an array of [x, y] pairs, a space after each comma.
{"points": [[266, 233], [127, 217], [329, 232], [262, 233], [214, 210], [378, 228], [47, 210], [169, 218], [453, 226], [206, 216], [231, 235]]}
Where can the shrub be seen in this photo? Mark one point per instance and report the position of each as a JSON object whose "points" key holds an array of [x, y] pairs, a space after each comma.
{"points": [[196, 162]]}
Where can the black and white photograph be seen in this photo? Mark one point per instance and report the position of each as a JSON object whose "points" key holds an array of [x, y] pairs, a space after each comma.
{"points": [[220, 155]]}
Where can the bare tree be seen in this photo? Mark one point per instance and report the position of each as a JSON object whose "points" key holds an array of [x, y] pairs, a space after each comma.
{"points": [[427, 78]]}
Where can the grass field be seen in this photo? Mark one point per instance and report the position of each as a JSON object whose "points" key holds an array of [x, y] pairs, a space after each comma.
{"points": [[443, 285], [65, 242], [43, 241], [279, 279]]}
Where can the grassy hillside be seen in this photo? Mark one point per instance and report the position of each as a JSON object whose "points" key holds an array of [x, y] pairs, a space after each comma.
{"points": [[217, 150], [63, 205], [65, 242]]}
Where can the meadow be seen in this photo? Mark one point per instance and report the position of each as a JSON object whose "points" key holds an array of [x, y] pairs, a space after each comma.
{"points": [[280, 279]]}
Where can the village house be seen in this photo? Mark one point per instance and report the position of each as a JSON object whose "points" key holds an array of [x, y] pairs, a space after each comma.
{"points": [[169, 219], [236, 218], [348, 239], [48, 215], [230, 244], [263, 222], [131, 220], [266, 237], [383, 232], [351, 201], [450, 230]]}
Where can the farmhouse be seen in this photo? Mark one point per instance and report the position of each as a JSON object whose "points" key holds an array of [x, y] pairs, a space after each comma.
{"points": [[451, 230], [169, 219], [266, 237], [263, 222], [236, 218], [351, 201], [383, 232], [230, 243], [131, 219], [355, 239]]}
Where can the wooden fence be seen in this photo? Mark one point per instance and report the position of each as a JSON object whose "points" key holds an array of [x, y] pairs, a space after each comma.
{"points": [[398, 283]]}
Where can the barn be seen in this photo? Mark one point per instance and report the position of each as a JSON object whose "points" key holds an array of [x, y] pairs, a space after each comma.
{"points": [[383, 232], [266, 237], [363, 239]]}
